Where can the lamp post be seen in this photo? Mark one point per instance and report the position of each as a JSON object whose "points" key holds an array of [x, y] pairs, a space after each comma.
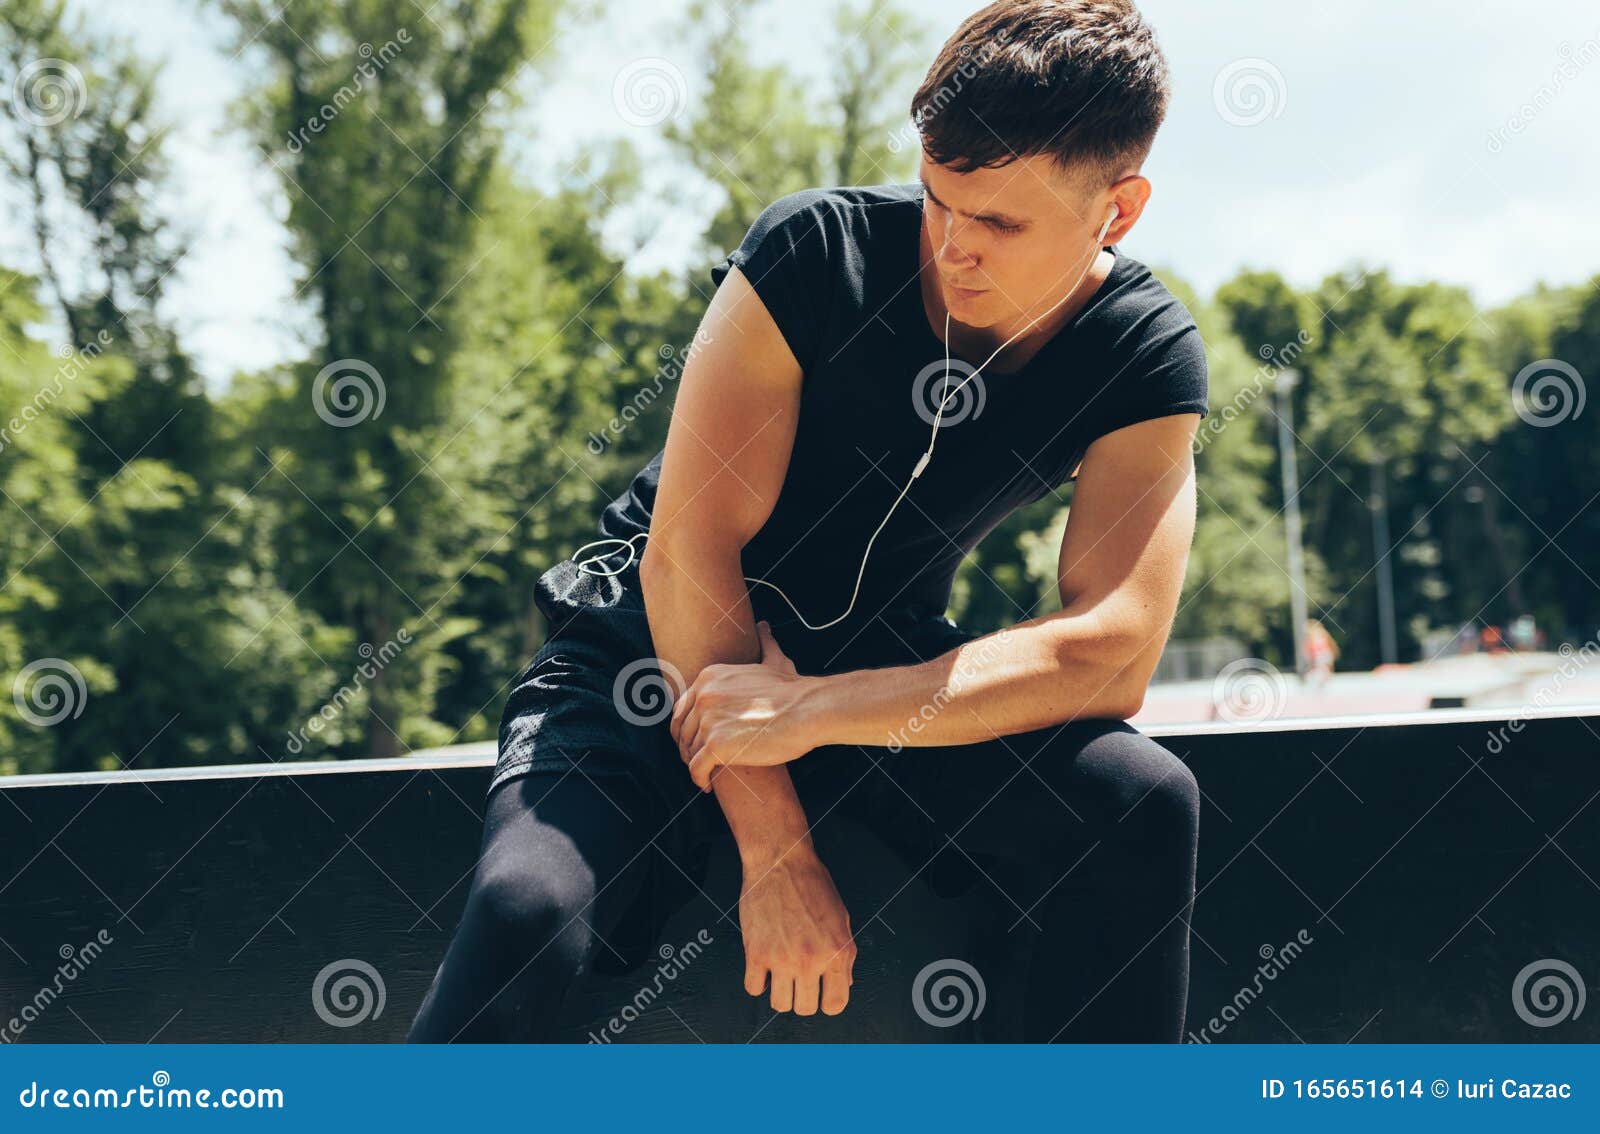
{"points": [[1378, 504], [1287, 379]]}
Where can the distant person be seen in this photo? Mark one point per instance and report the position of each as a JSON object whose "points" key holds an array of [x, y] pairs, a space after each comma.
{"points": [[1321, 652], [1492, 642]]}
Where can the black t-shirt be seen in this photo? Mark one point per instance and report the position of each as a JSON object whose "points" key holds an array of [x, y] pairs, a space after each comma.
{"points": [[837, 271]]}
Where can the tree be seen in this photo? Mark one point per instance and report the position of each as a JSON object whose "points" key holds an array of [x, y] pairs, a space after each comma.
{"points": [[386, 139]]}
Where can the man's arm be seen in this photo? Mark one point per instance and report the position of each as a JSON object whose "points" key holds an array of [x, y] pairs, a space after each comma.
{"points": [[1121, 571], [1122, 564], [727, 452]]}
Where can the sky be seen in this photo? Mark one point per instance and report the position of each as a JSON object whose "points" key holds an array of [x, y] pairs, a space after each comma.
{"points": [[1442, 141]]}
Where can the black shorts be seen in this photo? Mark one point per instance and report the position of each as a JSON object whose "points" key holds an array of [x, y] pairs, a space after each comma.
{"points": [[593, 701], [595, 698]]}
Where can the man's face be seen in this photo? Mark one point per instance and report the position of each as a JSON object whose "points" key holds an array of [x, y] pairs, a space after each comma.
{"points": [[1008, 243]]}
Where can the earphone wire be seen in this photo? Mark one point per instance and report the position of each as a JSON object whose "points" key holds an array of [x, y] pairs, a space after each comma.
{"points": [[922, 462]]}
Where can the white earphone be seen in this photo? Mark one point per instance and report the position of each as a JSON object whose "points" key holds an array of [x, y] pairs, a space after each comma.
{"points": [[922, 462]]}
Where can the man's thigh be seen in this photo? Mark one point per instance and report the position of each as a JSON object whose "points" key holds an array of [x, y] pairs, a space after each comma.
{"points": [[606, 833], [1029, 798]]}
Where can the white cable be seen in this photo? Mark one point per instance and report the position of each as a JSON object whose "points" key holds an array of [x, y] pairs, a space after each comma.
{"points": [[922, 462]]}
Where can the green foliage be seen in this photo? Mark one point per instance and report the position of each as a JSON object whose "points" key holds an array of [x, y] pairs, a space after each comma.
{"points": [[249, 574]]}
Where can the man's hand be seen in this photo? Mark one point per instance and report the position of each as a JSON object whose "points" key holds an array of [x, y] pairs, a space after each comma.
{"points": [[752, 715], [797, 931]]}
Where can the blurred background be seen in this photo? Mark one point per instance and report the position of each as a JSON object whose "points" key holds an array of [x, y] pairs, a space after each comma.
{"points": [[326, 326]]}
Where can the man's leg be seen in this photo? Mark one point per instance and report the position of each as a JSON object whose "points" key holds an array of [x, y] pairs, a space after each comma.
{"points": [[1112, 959], [1088, 835], [563, 857]]}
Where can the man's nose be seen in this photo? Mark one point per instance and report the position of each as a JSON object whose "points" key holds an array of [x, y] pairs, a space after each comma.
{"points": [[951, 254]]}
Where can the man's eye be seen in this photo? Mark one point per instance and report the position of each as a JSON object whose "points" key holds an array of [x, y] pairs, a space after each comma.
{"points": [[1004, 229]]}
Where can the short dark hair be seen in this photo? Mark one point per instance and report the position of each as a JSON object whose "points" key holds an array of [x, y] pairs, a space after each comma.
{"points": [[1081, 80]]}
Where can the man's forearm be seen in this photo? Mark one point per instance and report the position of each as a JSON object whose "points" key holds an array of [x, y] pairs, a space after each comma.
{"points": [[686, 594], [1029, 676]]}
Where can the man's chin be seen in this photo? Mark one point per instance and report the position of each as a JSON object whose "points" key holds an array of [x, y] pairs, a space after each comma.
{"points": [[972, 308]]}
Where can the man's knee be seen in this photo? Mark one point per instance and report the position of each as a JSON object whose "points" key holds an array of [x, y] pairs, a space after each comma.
{"points": [[534, 902], [1130, 786], [1172, 797]]}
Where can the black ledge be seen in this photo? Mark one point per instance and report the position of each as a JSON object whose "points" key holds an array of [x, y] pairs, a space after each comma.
{"points": [[1394, 875]]}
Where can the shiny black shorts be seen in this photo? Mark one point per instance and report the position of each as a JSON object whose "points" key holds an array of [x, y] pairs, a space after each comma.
{"points": [[596, 700]]}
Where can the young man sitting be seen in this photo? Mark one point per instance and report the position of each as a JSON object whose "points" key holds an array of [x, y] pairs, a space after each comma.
{"points": [[883, 375]]}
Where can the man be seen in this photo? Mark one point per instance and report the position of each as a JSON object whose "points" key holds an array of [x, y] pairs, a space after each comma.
{"points": [[883, 374]]}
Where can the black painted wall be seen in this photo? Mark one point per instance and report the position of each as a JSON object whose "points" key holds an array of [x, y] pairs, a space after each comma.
{"points": [[1417, 868]]}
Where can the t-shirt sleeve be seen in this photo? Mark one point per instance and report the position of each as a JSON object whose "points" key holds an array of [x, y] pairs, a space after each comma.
{"points": [[785, 256], [1169, 376]]}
